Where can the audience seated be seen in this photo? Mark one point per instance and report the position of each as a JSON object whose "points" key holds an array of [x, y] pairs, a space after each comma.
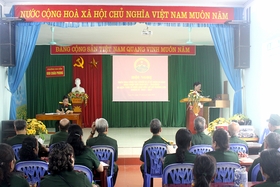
{"points": [[183, 140], [233, 130], [83, 155], [200, 137], [271, 141], [101, 126], [270, 168], [20, 128], [29, 150], [204, 170], [61, 168], [62, 134], [7, 163], [221, 146], [155, 128]]}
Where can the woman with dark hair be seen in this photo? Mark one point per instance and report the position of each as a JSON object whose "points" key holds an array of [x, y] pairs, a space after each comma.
{"points": [[270, 168], [204, 170], [7, 164], [61, 168], [29, 149], [197, 87], [183, 141], [83, 155], [221, 145]]}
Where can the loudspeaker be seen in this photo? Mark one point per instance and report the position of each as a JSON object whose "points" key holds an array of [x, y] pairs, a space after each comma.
{"points": [[242, 46], [7, 43]]}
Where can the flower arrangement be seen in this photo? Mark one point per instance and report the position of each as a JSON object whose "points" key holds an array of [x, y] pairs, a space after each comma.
{"points": [[193, 97], [78, 95], [212, 125], [36, 127]]}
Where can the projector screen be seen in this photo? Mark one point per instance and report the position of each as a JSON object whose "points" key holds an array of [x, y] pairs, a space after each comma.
{"points": [[140, 78]]}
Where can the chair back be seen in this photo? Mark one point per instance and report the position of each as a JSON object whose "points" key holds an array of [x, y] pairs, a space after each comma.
{"points": [[225, 171], [16, 149], [255, 171], [200, 149], [238, 147], [34, 170], [265, 132], [86, 170], [179, 173], [106, 154]]}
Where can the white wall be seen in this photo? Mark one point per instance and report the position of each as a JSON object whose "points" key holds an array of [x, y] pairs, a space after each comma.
{"points": [[4, 95], [263, 76]]}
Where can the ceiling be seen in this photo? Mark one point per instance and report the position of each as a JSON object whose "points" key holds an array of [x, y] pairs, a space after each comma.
{"points": [[127, 34]]}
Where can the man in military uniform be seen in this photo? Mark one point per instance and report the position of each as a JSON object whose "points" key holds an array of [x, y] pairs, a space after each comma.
{"points": [[155, 128], [233, 130], [64, 107], [200, 137], [20, 128], [62, 134], [101, 126]]}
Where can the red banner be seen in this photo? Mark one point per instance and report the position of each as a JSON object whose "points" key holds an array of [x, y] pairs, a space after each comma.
{"points": [[104, 13], [55, 71], [123, 49]]}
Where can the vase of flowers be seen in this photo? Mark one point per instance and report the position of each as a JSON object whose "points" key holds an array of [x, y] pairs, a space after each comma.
{"points": [[217, 122], [78, 97], [37, 128], [194, 101]]}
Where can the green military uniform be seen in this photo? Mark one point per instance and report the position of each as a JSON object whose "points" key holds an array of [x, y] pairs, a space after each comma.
{"points": [[61, 107], [235, 139], [268, 183], [18, 139], [74, 178], [58, 137], [201, 138], [224, 156], [171, 158], [262, 147], [259, 176], [88, 159], [16, 181], [154, 139], [103, 139]]}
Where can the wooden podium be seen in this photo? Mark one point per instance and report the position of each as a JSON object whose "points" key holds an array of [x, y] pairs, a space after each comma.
{"points": [[193, 111]]}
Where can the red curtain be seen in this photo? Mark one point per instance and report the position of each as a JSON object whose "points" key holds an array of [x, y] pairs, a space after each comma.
{"points": [[89, 69]]}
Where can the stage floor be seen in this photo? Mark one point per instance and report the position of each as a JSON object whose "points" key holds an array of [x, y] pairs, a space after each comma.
{"points": [[130, 140]]}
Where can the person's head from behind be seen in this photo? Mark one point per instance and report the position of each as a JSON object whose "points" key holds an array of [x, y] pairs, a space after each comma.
{"points": [[183, 139], [199, 124], [155, 126], [220, 139], [61, 158], [204, 170], [197, 86], [272, 140], [101, 125], [270, 164], [64, 124], [65, 100], [20, 125], [29, 149], [273, 122], [7, 162], [75, 134], [233, 129]]}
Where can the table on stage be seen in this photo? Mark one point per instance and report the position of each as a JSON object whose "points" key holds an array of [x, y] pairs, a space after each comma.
{"points": [[227, 184], [76, 117]]}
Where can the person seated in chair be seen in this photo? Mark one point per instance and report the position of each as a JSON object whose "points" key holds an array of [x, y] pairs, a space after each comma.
{"points": [[270, 167], [62, 134], [200, 137], [221, 146], [29, 150], [204, 170], [65, 106], [8, 178], [233, 130], [61, 168], [155, 129], [271, 141]]}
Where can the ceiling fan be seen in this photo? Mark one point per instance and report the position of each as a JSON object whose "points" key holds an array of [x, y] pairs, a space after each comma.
{"points": [[189, 42], [52, 42]]}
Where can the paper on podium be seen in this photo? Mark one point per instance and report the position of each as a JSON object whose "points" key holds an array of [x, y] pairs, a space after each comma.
{"points": [[104, 164], [171, 149]]}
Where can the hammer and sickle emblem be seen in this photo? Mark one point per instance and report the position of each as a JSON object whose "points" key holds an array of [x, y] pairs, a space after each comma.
{"points": [[80, 62]]}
